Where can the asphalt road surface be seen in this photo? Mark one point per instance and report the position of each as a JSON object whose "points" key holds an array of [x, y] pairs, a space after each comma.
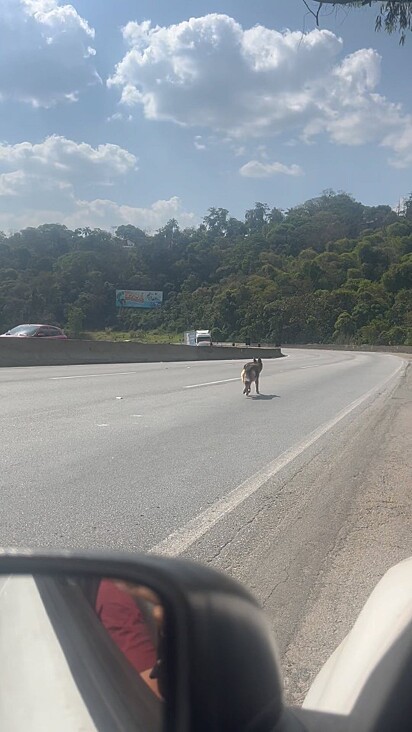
{"points": [[124, 456]]}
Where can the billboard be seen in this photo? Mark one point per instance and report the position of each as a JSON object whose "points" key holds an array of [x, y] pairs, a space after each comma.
{"points": [[138, 299]]}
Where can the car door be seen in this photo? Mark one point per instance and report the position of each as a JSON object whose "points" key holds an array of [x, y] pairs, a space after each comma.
{"points": [[49, 331], [42, 332], [54, 332]]}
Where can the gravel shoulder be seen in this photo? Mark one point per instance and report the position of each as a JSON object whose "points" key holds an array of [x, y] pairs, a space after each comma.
{"points": [[376, 534]]}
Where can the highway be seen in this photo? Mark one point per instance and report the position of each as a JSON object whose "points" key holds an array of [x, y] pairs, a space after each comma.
{"points": [[126, 456]]}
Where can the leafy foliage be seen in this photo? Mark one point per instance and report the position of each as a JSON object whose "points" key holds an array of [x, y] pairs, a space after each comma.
{"points": [[393, 15], [328, 270]]}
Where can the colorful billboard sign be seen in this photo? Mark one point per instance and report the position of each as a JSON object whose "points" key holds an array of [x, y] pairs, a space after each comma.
{"points": [[138, 299]]}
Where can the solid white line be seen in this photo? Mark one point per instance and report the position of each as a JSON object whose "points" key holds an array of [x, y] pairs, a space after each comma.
{"points": [[210, 383], [181, 539], [5, 583], [90, 376]]}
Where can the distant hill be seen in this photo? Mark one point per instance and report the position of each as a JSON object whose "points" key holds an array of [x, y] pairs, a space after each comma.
{"points": [[328, 270]]}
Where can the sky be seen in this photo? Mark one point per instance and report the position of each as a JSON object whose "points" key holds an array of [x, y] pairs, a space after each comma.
{"points": [[134, 112]]}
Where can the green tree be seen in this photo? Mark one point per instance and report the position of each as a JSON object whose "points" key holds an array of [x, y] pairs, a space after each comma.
{"points": [[407, 208], [399, 276], [131, 233], [281, 276], [75, 321], [345, 328], [216, 221], [257, 217]]}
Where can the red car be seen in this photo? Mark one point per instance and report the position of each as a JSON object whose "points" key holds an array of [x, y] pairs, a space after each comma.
{"points": [[35, 331]]}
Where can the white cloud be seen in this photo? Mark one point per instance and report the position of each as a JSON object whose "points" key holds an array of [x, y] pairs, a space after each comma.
{"points": [[100, 213], [46, 182], [120, 117], [362, 115], [401, 144], [198, 143], [45, 52], [209, 72], [105, 214], [59, 162], [257, 169]]}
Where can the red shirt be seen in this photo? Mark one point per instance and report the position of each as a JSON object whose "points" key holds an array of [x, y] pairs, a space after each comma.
{"points": [[126, 625]]}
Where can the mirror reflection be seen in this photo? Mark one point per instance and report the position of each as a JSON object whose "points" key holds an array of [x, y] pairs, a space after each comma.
{"points": [[89, 650], [133, 617]]}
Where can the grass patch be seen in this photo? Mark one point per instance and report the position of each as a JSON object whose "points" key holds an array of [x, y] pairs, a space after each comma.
{"points": [[142, 336]]}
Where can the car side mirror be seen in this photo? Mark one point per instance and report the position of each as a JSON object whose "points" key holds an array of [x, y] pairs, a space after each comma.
{"points": [[121, 642], [113, 642]]}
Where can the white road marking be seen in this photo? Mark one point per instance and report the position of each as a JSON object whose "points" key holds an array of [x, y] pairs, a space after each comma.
{"points": [[102, 425], [211, 383], [89, 376], [5, 583], [126, 373], [183, 538]]}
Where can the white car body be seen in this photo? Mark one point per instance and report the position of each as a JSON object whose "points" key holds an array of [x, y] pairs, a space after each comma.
{"points": [[381, 623]]}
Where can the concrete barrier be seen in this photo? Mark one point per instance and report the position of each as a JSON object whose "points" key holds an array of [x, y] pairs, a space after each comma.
{"points": [[33, 352], [336, 347]]}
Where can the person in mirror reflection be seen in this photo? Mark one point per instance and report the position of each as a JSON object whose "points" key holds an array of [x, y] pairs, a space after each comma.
{"points": [[119, 612]]}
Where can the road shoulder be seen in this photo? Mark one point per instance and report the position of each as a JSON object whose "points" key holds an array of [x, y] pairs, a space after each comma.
{"points": [[375, 535]]}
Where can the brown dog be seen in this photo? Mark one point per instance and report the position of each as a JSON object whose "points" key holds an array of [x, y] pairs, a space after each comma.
{"points": [[250, 374]]}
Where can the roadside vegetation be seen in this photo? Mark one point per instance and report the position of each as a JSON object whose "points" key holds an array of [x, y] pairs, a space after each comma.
{"points": [[329, 270], [142, 336]]}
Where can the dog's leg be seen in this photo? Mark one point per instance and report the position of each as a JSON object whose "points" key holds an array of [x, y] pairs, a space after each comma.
{"points": [[243, 379], [257, 385]]}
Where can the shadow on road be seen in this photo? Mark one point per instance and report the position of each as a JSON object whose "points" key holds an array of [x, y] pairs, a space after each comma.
{"points": [[263, 397]]}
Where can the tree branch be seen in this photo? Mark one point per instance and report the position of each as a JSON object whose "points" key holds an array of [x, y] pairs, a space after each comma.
{"points": [[312, 12]]}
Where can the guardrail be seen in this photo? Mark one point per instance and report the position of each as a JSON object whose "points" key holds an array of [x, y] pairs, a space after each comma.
{"points": [[32, 352]]}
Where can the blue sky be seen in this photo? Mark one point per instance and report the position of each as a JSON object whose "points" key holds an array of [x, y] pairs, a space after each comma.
{"points": [[117, 111]]}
